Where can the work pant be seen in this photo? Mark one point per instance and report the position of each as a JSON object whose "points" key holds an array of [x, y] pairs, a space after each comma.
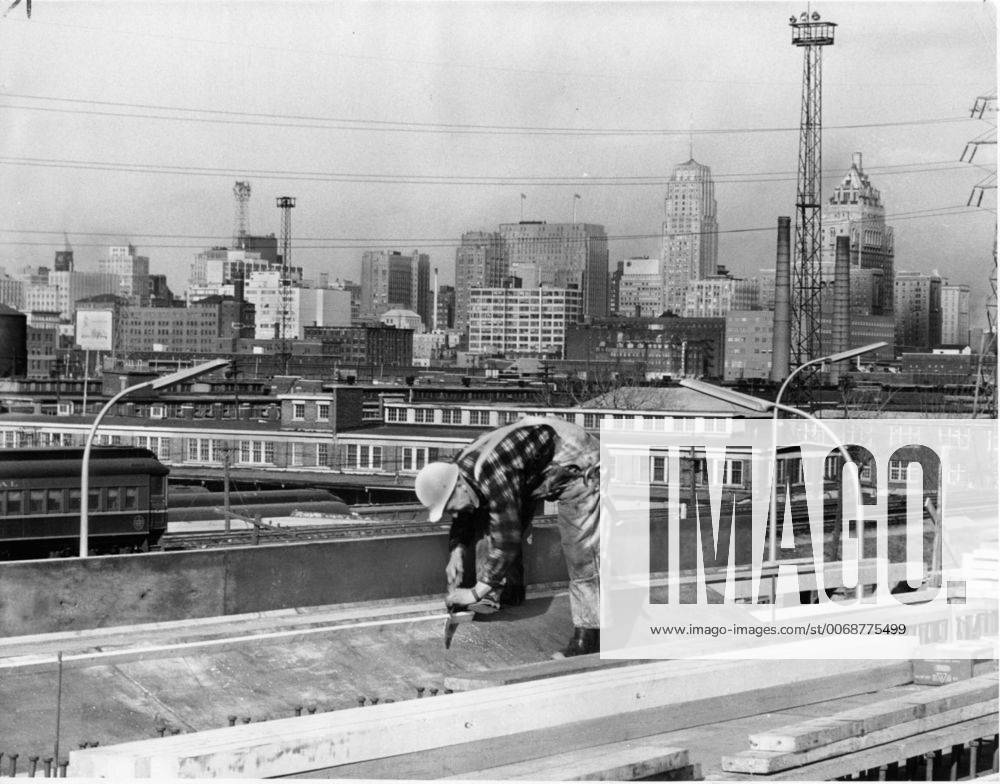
{"points": [[579, 517]]}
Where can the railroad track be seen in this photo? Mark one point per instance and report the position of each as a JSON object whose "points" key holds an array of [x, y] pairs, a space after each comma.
{"points": [[270, 534]]}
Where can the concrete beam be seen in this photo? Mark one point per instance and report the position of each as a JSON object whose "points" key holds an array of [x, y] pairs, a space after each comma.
{"points": [[682, 689]]}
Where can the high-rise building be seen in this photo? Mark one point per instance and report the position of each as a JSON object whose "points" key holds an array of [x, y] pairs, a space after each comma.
{"points": [[690, 249], [955, 314], [132, 270], [305, 307], [561, 255], [390, 279], [855, 210], [72, 286], [479, 263], [522, 322], [446, 307], [638, 288], [918, 311]]}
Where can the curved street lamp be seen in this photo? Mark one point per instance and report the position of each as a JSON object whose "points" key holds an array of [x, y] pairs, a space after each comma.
{"points": [[157, 383], [763, 406]]}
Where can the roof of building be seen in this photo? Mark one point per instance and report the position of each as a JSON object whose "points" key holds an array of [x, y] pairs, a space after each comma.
{"points": [[401, 313], [666, 400]]}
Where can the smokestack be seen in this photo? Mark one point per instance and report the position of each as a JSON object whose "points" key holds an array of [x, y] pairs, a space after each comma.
{"points": [[782, 338], [434, 315], [841, 303]]}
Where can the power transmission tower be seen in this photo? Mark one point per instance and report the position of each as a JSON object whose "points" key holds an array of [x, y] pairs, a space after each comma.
{"points": [[811, 34], [985, 396], [285, 204], [241, 194]]}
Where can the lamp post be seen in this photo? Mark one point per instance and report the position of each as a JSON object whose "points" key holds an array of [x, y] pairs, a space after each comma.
{"points": [[763, 406], [157, 383]]}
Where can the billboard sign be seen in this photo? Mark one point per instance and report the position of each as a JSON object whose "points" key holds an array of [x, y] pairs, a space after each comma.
{"points": [[93, 329]]}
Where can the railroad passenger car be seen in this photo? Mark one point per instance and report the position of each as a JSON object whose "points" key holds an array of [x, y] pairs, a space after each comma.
{"points": [[40, 501]]}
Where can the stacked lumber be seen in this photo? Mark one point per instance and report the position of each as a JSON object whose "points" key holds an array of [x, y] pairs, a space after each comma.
{"points": [[624, 761], [621, 704], [857, 729]]}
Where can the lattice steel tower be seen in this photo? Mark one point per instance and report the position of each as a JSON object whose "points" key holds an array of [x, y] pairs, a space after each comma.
{"points": [[285, 204], [241, 194], [812, 35]]}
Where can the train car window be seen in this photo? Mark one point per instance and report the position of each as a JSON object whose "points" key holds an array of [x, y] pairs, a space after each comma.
{"points": [[94, 499], [15, 501], [74, 501], [36, 501], [55, 500], [131, 498], [114, 503]]}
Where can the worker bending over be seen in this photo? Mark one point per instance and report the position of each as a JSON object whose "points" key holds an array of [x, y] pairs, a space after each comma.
{"points": [[494, 484]]}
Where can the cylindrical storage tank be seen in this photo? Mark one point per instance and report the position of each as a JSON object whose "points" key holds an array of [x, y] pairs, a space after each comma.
{"points": [[13, 343]]}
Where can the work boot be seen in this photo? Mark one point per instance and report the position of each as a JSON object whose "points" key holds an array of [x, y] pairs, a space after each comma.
{"points": [[584, 641]]}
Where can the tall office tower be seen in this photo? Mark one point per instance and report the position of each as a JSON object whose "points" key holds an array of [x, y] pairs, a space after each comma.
{"points": [[132, 270], [563, 255], [391, 280], [856, 210], [918, 311], [690, 249], [479, 263], [955, 314]]}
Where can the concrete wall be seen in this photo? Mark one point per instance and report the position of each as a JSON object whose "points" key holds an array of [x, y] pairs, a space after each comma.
{"points": [[69, 594]]}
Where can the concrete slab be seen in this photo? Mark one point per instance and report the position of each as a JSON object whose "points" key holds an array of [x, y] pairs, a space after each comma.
{"points": [[198, 689]]}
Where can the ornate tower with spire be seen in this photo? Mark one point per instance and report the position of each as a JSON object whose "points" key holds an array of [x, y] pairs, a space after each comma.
{"points": [[690, 249]]}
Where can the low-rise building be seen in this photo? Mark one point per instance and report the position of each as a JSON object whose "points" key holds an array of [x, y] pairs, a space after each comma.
{"points": [[522, 322]]}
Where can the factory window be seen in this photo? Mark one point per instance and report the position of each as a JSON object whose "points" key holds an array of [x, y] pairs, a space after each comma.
{"points": [[323, 412], [897, 470], [734, 472], [591, 421], [479, 417], [298, 411], [395, 414], [423, 415], [359, 456], [415, 458], [451, 416], [658, 470], [323, 454]]}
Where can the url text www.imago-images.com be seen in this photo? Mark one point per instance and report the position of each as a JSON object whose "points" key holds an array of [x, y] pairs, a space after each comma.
{"points": [[847, 535]]}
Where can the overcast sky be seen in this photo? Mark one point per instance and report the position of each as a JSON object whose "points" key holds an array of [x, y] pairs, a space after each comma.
{"points": [[402, 125]]}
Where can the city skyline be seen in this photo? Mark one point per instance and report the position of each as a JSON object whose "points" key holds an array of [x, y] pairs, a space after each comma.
{"points": [[467, 100]]}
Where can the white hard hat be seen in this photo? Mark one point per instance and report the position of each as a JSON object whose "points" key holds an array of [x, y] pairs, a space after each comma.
{"points": [[434, 485]]}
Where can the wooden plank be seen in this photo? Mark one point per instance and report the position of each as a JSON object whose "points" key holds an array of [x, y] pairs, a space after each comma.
{"points": [[481, 679], [894, 751], [322, 741], [681, 719], [765, 762], [626, 761], [854, 722]]}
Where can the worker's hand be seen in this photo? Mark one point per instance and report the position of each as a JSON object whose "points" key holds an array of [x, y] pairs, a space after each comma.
{"points": [[455, 570], [465, 599]]}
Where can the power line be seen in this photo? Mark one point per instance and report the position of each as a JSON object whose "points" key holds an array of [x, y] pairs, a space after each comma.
{"points": [[226, 117], [335, 243], [441, 179]]}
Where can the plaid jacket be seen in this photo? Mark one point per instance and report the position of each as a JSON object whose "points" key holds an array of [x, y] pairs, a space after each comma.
{"points": [[518, 472]]}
